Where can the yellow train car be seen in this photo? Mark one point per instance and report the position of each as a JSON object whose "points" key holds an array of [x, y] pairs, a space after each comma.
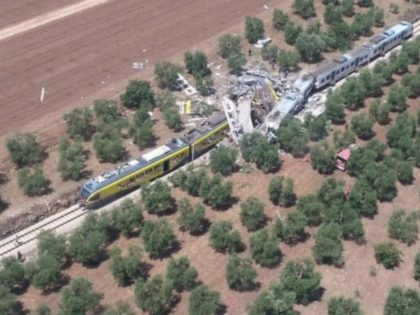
{"points": [[155, 163]]}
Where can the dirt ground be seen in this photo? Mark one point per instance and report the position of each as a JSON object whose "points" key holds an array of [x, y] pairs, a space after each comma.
{"points": [[89, 55]]}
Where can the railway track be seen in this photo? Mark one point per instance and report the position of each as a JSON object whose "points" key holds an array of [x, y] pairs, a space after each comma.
{"points": [[31, 233], [65, 219]]}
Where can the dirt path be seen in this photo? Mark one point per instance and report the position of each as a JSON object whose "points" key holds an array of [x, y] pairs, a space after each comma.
{"points": [[48, 17]]}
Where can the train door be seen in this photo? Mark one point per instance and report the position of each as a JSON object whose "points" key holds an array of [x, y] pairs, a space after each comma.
{"points": [[166, 166]]}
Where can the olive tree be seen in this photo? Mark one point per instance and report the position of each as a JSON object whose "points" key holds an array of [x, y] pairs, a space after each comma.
{"points": [[388, 255], [33, 182], [403, 227], [229, 45], [203, 301], [182, 274], [191, 219], [72, 160], [159, 238], [254, 29], [252, 214], [126, 269], [24, 150], [341, 305], [222, 160], [240, 275], [166, 75], [79, 123], [138, 92], [223, 238], [402, 300], [12, 275], [157, 198], [323, 158], [264, 248]]}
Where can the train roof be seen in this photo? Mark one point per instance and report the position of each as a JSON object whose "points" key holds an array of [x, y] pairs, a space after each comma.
{"points": [[395, 29], [135, 164], [154, 155], [204, 128]]}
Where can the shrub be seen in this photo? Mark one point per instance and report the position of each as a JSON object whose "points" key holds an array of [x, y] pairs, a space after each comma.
{"points": [[191, 220], [224, 238], [159, 238], [157, 198], [203, 301], [240, 274], [166, 75], [24, 150], [288, 60], [236, 62], [222, 160], [388, 255], [79, 123], [301, 278], [229, 45], [252, 214], [264, 249], [254, 29], [136, 93], [72, 160], [403, 227], [182, 274], [33, 182], [165, 100]]}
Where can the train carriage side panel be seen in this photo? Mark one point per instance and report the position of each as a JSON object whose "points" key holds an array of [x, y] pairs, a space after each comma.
{"points": [[209, 140]]}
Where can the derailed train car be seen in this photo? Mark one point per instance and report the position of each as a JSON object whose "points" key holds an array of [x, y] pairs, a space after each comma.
{"points": [[155, 163]]}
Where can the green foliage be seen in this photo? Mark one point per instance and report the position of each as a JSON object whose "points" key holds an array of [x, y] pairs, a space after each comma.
{"points": [[417, 267], [288, 60], [380, 112], [396, 99], [301, 278], [159, 238], [400, 135], [402, 301], [281, 191], [277, 228], [304, 8], [191, 220], [311, 208], [79, 123], [328, 247], [157, 198], [403, 227], [316, 127], [203, 301], [293, 137], [294, 227], [155, 296], [265, 248], [216, 193], [108, 145], [87, 242], [223, 238], [254, 29], [291, 32], [12, 274], [323, 158], [182, 274], [274, 301], [165, 99], [372, 82], [338, 36], [411, 82], [137, 93], [33, 182], [142, 133], [204, 85], [222, 160], [252, 214], [166, 74], [9, 305], [72, 160], [310, 47], [235, 62], [347, 7], [192, 182], [385, 185], [362, 24], [108, 115], [362, 198], [279, 19], [24, 150], [229, 45], [334, 107], [121, 308], [331, 192], [341, 305], [332, 14], [388, 255], [128, 217], [43, 309], [240, 275], [79, 298], [129, 268], [353, 93], [196, 64], [52, 244], [45, 273], [405, 172], [362, 125]]}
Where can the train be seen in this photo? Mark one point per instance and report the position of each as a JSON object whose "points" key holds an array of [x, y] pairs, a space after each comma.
{"points": [[179, 151], [155, 163], [334, 70]]}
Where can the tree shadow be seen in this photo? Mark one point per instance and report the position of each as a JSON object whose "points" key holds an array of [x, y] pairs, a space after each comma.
{"points": [[166, 253], [3, 179], [64, 280], [205, 226], [222, 309], [3, 205], [301, 238], [317, 294]]}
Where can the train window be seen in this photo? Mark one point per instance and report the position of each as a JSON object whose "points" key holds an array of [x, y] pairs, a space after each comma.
{"points": [[328, 77], [323, 80], [95, 197]]}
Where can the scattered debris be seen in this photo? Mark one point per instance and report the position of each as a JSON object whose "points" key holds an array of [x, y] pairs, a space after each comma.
{"points": [[138, 65]]}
